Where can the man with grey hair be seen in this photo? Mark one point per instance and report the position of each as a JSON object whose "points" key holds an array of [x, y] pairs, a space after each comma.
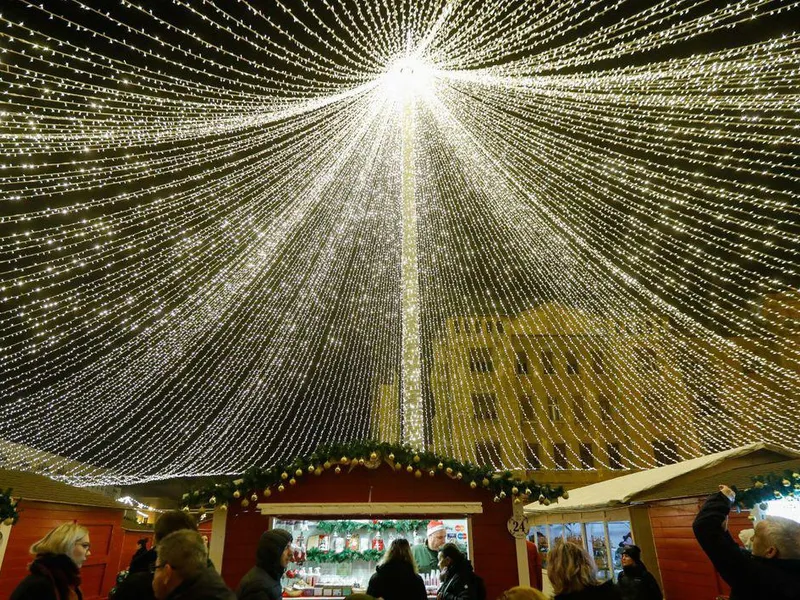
{"points": [[182, 571], [771, 571]]}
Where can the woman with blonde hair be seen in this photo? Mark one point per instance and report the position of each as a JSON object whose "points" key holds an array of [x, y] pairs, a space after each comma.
{"points": [[55, 570], [574, 575], [396, 578], [522, 592]]}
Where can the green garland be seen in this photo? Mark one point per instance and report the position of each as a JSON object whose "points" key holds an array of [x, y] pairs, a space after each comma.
{"points": [[347, 527], [257, 483], [770, 487], [9, 515], [315, 555]]}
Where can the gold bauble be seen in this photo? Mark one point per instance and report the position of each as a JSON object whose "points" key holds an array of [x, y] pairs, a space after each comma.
{"points": [[237, 494], [292, 481], [299, 472], [245, 503], [254, 497], [284, 476], [459, 475], [485, 482], [440, 466], [416, 458], [344, 460], [398, 466], [281, 487], [9, 522], [267, 492], [502, 494], [391, 456], [565, 495], [317, 471], [432, 473], [311, 468], [337, 470], [327, 464], [212, 500], [409, 468], [786, 483], [515, 490], [224, 507], [449, 471], [373, 456], [473, 484], [361, 462], [758, 485], [417, 473]]}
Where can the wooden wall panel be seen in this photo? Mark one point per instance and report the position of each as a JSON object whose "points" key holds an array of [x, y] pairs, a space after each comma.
{"points": [[105, 532], [129, 539], [495, 550]]}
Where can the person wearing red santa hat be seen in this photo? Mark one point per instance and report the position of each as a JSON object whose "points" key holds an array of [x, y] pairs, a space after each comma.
{"points": [[427, 555]]}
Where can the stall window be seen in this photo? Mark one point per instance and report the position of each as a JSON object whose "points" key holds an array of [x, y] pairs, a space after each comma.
{"points": [[619, 536], [598, 549], [573, 533], [538, 536]]}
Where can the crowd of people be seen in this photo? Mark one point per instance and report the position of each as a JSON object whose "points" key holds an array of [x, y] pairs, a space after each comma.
{"points": [[178, 567]]}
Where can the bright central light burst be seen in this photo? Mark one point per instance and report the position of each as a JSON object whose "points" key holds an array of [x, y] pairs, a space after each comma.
{"points": [[408, 79]]}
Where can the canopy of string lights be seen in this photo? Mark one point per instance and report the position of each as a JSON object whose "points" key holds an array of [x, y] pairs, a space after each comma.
{"points": [[234, 231]]}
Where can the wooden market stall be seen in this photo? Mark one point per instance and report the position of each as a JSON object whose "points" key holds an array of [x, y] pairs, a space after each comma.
{"points": [[656, 508], [46, 503], [362, 499]]}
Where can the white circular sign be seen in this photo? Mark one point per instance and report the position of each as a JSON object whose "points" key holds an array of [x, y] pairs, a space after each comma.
{"points": [[518, 526]]}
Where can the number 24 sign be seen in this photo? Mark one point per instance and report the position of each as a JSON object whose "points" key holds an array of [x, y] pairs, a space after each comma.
{"points": [[518, 526]]}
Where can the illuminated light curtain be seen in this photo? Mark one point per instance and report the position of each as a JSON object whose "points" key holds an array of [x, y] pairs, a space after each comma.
{"points": [[229, 228]]}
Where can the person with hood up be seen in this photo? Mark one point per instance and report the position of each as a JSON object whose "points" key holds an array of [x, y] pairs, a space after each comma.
{"points": [[263, 581], [635, 581], [396, 578], [459, 581]]}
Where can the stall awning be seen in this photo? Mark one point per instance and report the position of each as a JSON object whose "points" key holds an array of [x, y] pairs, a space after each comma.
{"points": [[629, 489]]}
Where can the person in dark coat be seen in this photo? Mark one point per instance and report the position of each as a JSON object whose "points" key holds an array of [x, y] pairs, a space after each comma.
{"points": [[396, 578], [182, 571], [574, 575], [635, 581], [138, 585], [263, 581], [459, 581], [55, 571], [772, 570], [139, 560]]}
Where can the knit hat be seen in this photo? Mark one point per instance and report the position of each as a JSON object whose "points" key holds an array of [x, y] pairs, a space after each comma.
{"points": [[270, 547], [435, 526], [634, 552]]}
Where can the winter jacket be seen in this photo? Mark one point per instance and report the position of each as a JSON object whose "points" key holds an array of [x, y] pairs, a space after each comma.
{"points": [[257, 584], [263, 581], [142, 560], [52, 577], [208, 585], [396, 580], [459, 583], [604, 591], [750, 577], [637, 583]]}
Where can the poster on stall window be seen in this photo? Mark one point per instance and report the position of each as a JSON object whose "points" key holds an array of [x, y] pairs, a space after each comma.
{"points": [[457, 533]]}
